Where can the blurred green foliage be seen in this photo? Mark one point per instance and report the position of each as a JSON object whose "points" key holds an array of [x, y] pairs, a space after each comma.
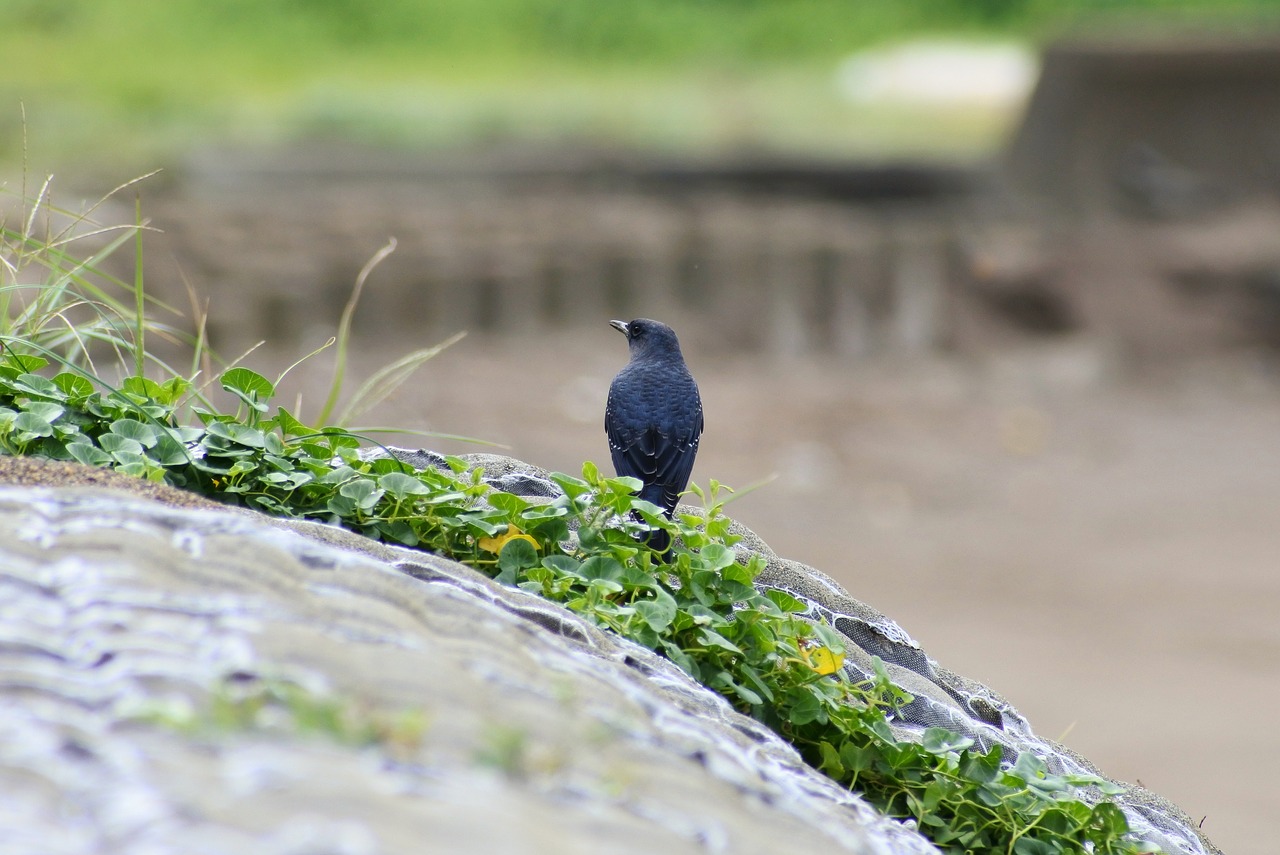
{"points": [[439, 34], [110, 77]]}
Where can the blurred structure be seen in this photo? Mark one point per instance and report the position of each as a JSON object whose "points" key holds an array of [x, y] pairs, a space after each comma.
{"points": [[1164, 128], [1163, 155], [793, 257], [941, 74], [1137, 204]]}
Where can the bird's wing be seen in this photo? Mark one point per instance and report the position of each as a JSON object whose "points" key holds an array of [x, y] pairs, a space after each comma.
{"points": [[661, 455], [633, 448], [662, 460], [673, 460]]}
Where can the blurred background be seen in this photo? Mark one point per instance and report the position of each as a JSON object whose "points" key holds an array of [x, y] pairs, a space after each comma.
{"points": [[983, 297]]}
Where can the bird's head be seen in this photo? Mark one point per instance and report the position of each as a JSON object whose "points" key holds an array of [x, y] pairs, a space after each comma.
{"points": [[648, 338]]}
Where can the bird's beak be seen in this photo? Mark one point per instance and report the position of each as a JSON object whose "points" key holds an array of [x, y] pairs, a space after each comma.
{"points": [[621, 326]]}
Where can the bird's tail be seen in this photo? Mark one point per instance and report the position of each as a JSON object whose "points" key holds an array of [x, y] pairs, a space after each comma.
{"points": [[660, 541], [657, 539], [657, 494]]}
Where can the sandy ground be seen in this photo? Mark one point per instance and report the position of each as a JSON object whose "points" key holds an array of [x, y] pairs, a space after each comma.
{"points": [[1097, 544]]}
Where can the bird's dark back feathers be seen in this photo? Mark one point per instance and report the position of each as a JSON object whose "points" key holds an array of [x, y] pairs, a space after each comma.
{"points": [[654, 414]]}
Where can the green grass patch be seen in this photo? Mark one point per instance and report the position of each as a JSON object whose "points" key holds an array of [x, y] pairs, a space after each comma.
{"points": [[123, 82]]}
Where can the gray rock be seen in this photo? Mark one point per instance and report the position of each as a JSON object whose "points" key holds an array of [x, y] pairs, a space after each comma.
{"points": [[542, 733], [418, 458], [502, 473], [941, 697], [116, 604]]}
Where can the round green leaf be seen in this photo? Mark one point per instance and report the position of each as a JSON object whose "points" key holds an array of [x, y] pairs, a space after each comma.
{"points": [[658, 612], [938, 740], [248, 382], [362, 491], [717, 555], [33, 424], [34, 384], [398, 485], [562, 564], [143, 433], [1031, 846], [237, 433], [143, 388], [784, 601], [508, 503], [87, 454], [169, 452], [73, 385], [605, 567], [290, 426], [711, 638], [273, 443], [47, 410], [517, 554], [115, 444]]}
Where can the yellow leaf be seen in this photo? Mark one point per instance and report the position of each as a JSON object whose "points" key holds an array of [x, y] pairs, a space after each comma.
{"points": [[494, 544], [824, 660]]}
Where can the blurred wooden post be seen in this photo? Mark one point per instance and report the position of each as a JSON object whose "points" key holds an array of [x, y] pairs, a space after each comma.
{"points": [[787, 332], [518, 289], [735, 275], [789, 277], [858, 288], [654, 268], [918, 281], [850, 312]]}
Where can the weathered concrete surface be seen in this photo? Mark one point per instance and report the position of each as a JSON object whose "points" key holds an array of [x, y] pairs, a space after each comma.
{"points": [[114, 605]]}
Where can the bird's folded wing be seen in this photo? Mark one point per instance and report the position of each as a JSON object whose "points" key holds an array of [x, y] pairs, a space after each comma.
{"points": [[657, 458]]}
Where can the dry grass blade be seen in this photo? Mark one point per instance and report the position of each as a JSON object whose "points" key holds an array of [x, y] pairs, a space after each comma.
{"points": [[389, 378], [344, 329], [736, 494]]}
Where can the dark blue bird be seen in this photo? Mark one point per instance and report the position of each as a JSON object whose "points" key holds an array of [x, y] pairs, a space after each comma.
{"points": [[654, 417]]}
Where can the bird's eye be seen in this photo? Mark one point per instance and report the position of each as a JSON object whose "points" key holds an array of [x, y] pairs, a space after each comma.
{"points": [[636, 330]]}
